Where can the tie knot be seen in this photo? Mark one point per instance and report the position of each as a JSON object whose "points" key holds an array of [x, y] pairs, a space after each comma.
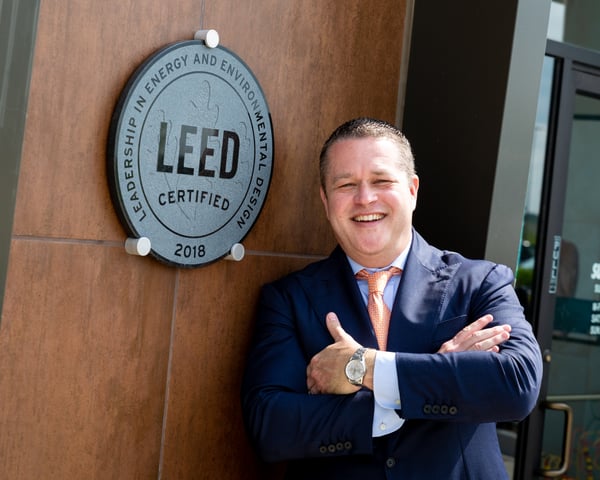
{"points": [[378, 280]]}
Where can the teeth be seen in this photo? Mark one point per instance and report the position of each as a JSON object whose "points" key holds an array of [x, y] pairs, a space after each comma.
{"points": [[368, 218]]}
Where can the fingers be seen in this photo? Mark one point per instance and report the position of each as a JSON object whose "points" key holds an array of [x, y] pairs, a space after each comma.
{"points": [[476, 326], [325, 371], [341, 339], [465, 339], [335, 327], [476, 336], [489, 340], [311, 383]]}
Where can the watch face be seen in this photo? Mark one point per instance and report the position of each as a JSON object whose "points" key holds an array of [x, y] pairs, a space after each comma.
{"points": [[355, 370]]}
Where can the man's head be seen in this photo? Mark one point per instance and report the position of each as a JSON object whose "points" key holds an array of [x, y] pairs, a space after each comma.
{"points": [[369, 190], [369, 127]]}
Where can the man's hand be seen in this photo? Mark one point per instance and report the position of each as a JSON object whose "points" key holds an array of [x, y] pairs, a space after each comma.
{"points": [[326, 371], [476, 337]]}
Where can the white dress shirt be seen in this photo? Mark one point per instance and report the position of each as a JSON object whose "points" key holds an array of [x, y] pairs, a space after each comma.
{"points": [[385, 378]]}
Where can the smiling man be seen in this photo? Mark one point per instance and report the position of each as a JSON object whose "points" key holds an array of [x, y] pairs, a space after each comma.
{"points": [[350, 378], [369, 196]]}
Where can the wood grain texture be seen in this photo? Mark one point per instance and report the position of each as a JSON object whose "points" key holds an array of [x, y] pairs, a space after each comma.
{"points": [[204, 436], [85, 52], [83, 362], [320, 64], [120, 367]]}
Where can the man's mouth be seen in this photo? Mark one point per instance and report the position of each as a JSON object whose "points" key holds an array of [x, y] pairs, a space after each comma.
{"points": [[372, 217]]}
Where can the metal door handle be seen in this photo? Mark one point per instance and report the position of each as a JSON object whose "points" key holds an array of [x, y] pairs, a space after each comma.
{"points": [[566, 453]]}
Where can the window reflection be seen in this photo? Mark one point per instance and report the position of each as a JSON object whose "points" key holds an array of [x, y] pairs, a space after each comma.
{"points": [[575, 22], [529, 236]]}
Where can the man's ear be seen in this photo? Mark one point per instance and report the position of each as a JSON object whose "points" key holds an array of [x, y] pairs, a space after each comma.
{"points": [[414, 188], [324, 200]]}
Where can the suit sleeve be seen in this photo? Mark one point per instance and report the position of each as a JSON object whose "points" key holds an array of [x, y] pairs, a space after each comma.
{"points": [[476, 386], [282, 420]]}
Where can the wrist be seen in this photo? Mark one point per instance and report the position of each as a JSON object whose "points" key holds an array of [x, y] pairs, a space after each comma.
{"points": [[370, 356]]}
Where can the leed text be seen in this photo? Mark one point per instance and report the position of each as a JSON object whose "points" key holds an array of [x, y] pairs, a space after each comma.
{"points": [[229, 155]]}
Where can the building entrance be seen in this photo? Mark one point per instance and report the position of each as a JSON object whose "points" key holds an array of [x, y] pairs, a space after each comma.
{"points": [[558, 278]]}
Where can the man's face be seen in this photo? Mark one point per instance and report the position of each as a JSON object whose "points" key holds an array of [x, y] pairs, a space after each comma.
{"points": [[369, 200]]}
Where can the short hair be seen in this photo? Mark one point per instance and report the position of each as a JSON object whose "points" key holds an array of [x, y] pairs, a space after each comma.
{"points": [[364, 127]]}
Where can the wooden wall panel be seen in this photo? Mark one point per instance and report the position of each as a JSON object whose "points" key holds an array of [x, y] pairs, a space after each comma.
{"points": [[83, 363], [85, 52], [320, 63], [204, 436], [114, 366]]}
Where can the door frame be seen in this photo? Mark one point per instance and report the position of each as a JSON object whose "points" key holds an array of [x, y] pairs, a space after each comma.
{"points": [[572, 72]]}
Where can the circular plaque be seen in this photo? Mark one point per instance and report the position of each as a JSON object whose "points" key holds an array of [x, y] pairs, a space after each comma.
{"points": [[190, 153]]}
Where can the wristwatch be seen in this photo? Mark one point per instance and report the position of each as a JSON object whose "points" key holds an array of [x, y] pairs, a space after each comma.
{"points": [[356, 367]]}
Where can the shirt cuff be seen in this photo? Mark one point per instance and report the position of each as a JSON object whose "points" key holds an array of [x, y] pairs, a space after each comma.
{"points": [[387, 395]]}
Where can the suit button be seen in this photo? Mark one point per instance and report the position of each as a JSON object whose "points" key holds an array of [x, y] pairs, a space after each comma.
{"points": [[435, 409], [323, 449], [390, 463], [427, 409], [348, 445], [453, 410], [444, 410], [331, 448], [339, 446]]}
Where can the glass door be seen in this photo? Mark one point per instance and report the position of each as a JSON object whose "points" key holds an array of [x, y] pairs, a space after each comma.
{"points": [[558, 278]]}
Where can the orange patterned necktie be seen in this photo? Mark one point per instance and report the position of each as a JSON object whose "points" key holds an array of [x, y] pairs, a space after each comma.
{"points": [[378, 310]]}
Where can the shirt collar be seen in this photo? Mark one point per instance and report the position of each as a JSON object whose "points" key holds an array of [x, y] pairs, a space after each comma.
{"points": [[399, 262]]}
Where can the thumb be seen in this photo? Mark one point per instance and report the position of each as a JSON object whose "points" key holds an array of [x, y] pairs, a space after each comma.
{"points": [[334, 326]]}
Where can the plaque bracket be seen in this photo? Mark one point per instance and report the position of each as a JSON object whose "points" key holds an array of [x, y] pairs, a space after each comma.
{"points": [[138, 246], [236, 253], [142, 246], [209, 37]]}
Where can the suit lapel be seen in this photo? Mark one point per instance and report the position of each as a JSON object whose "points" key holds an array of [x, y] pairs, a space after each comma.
{"points": [[416, 310], [417, 306], [334, 289]]}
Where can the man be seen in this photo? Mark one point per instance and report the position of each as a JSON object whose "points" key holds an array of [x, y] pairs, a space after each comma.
{"points": [[321, 392]]}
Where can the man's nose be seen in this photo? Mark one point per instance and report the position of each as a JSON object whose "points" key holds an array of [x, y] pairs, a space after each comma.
{"points": [[365, 194]]}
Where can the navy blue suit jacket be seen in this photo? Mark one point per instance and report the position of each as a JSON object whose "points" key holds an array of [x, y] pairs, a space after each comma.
{"points": [[450, 401]]}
